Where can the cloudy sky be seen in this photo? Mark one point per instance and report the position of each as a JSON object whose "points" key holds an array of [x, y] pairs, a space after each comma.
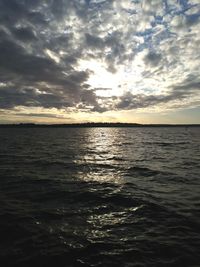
{"points": [[100, 60]]}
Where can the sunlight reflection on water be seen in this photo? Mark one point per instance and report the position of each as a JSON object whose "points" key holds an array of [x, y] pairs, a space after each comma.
{"points": [[102, 149]]}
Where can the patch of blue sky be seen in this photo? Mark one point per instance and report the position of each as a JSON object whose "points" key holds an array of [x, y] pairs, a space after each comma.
{"points": [[174, 9], [151, 39], [192, 19], [158, 20]]}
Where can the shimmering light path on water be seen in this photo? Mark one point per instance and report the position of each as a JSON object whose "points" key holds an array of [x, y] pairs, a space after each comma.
{"points": [[100, 197]]}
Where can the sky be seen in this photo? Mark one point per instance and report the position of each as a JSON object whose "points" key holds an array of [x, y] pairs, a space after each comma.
{"points": [[69, 61]]}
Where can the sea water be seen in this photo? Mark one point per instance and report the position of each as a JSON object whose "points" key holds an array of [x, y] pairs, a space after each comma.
{"points": [[100, 196]]}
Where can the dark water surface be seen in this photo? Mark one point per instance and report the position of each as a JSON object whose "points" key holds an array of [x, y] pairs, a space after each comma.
{"points": [[100, 197]]}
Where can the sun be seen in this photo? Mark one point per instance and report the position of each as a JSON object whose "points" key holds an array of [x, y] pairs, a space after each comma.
{"points": [[104, 82]]}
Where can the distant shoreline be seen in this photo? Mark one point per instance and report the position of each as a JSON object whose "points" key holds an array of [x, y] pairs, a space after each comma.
{"points": [[93, 125]]}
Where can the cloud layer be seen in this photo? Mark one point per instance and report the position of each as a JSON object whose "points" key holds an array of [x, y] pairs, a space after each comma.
{"points": [[97, 56]]}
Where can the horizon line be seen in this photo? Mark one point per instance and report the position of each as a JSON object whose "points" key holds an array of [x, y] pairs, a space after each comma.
{"points": [[95, 124]]}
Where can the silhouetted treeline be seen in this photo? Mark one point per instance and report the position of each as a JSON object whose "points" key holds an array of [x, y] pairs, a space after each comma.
{"points": [[95, 124]]}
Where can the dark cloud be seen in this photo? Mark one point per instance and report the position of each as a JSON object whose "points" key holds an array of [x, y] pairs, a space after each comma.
{"points": [[41, 115], [14, 58], [189, 85], [130, 101], [24, 34], [152, 58], [37, 18], [94, 41], [11, 97]]}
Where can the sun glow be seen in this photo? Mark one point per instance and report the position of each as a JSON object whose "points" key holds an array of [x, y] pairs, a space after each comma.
{"points": [[128, 77], [106, 83]]}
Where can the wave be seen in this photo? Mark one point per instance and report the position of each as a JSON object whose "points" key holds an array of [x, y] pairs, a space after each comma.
{"points": [[143, 171], [166, 143]]}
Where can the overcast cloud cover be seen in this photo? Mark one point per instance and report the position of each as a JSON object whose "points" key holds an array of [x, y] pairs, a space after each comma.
{"points": [[98, 56]]}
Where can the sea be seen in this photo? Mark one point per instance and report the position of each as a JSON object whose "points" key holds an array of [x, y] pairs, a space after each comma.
{"points": [[101, 197]]}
